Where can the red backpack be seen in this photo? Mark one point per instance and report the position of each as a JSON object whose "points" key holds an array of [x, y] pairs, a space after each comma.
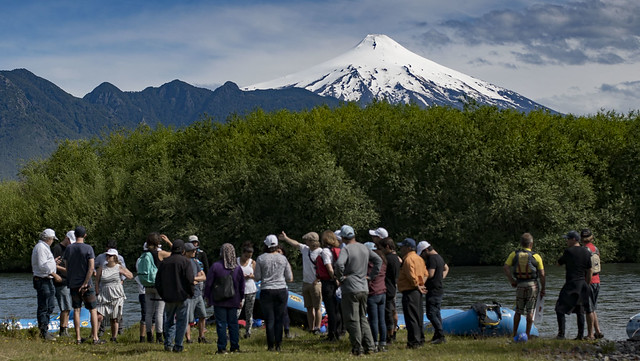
{"points": [[321, 269]]}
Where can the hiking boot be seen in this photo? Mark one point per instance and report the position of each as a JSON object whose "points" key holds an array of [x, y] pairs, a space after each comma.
{"points": [[149, 337], [560, 337], [64, 332], [438, 340], [48, 336], [142, 339], [159, 338]]}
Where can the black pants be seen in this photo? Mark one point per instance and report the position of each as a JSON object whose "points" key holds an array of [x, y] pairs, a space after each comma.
{"points": [[433, 303], [562, 323], [331, 304], [274, 305], [412, 308]]}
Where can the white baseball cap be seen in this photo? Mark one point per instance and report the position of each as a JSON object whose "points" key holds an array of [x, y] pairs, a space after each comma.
{"points": [[271, 240], [422, 245], [72, 236], [379, 232]]}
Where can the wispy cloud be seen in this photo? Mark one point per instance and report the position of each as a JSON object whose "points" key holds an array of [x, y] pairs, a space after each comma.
{"points": [[592, 31]]}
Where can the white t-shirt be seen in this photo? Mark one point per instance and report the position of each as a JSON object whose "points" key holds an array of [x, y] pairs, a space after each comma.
{"points": [[308, 263], [327, 257]]}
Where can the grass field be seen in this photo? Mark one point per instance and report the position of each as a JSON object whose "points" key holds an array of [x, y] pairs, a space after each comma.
{"points": [[25, 345]]}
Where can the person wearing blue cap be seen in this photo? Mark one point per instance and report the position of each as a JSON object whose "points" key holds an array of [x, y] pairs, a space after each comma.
{"points": [[574, 295], [413, 274], [351, 269]]}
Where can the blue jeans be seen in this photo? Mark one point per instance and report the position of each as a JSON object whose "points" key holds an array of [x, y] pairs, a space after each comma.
{"points": [[46, 301], [433, 303], [274, 306], [175, 324], [227, 317], [375, 312]]}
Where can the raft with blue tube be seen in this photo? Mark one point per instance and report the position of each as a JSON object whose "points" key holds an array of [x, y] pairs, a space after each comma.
{"points": [[54, 321]]}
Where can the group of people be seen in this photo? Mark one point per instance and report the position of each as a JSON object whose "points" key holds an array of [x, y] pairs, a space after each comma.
{"points": [[525, 271], [358, 283]]}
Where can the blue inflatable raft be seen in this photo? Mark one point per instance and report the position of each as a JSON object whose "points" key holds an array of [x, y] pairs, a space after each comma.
{"points": [[54, 322], [482, 320]]}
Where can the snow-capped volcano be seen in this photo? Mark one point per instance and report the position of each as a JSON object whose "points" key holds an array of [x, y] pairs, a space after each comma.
{"points": [[380, 68]]}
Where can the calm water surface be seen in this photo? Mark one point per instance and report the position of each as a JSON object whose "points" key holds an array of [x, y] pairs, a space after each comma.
{"points": [[464, 286]]}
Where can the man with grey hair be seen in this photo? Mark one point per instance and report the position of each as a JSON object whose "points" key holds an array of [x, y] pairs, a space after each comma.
{"points": [[43, 266], [311, 286], [351, 269]]}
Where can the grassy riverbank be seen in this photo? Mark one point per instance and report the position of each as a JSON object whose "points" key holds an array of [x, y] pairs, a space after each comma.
{"points": [[24, 345]]}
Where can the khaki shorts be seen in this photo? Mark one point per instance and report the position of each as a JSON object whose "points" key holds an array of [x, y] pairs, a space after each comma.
{"points": [[526, 295], [312, 294]]}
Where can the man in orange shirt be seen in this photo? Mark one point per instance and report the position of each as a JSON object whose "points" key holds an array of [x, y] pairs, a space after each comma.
{"points": [[413, 274]]}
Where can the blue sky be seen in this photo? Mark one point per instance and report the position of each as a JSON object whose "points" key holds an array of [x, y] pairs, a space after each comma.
{"points": [[573, 56]]}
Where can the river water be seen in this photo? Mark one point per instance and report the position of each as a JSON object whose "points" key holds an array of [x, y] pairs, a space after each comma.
{"points": [[463, 287]]}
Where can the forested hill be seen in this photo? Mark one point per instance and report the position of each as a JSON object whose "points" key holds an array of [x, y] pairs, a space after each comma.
{"points": [[469, 181], [35, 114]]}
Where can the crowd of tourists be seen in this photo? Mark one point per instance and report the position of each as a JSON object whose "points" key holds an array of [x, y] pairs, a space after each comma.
{"points": [[358, 282]]}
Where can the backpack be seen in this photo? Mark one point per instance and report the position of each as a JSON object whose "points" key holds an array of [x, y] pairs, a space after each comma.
{"points": [[595, 260], [321, 270], [223, 288], [147, 270]]}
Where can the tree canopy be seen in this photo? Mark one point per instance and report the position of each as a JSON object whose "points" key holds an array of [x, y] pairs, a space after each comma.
{"points": [[469, 181]]}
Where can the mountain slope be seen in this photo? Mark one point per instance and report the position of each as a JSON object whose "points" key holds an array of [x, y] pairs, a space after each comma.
{"points": [[381, 68], [35, 113]]}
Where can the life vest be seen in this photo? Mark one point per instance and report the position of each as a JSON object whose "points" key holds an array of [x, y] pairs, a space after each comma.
{"points": [[321, 270], [525, 267]]}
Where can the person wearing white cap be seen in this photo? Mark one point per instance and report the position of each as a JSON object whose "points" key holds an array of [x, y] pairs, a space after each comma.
{"points": [[109, 290], [352, 271], [438, 270], [63, 295], [378, 235], [44, 273], [274, 271]]}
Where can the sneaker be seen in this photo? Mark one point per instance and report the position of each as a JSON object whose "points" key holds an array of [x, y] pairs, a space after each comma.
{"points": [[221, 352], [382, 348], [99, 342], [438, 341], [159, 338], [48, 336], [560, 337], [237, 350], [168, 348], [190, 341], [278, 349], [149, 337], [316, 332]]}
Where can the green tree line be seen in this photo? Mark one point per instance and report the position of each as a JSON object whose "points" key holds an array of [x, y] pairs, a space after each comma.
{"points": [[469, 181]]}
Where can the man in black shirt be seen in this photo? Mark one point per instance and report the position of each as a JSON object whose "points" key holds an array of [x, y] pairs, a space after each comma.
{"points": [[574, 295], [438, 271], [394, 262]]}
